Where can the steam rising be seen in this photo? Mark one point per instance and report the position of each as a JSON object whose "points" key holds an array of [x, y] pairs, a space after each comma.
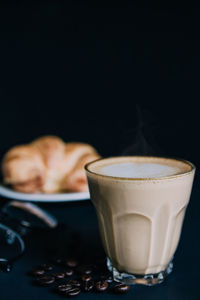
{"points": [[140, 144]]}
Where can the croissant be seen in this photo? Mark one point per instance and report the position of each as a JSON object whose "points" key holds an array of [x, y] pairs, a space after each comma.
{"points": [[48, 165]]}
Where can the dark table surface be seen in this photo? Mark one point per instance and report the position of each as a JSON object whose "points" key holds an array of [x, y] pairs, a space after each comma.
{"points": [[78, 219]]}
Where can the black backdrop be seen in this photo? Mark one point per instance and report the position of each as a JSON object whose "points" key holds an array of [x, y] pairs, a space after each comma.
{"points": [[124, 78]]}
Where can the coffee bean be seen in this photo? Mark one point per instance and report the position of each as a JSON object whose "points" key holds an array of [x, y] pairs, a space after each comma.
{"points": [[58, 275], [121, 288], [107, 278], [86, 277], [45, 280], [47, 267], [87, 286], [101, 285], [64, 287], [75, 283], [72, 263], [69, 272], [85, 269], [73, 292], [37, 272]]}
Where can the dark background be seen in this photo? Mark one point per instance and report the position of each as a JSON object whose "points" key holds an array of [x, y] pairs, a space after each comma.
{"points": [[123, 77]]}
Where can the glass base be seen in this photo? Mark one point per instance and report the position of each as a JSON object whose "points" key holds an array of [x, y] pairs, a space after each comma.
{"points": [[148, 279]]}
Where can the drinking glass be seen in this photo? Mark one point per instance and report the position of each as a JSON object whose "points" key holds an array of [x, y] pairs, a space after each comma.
{"points": [[140, 219]]}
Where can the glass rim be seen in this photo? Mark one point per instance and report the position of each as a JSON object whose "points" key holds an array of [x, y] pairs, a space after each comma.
{"points": [[188, 163]]}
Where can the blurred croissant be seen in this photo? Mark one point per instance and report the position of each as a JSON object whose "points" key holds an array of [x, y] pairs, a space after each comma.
{"points": [[48, 165]]}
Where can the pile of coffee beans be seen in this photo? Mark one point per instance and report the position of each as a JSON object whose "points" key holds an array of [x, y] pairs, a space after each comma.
{"points": [[68, 278]]}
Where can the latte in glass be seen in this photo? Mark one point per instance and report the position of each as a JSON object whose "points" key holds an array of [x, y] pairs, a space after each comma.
{"points": [[140, 203]]}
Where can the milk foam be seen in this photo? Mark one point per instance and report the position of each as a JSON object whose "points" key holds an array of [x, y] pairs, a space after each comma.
{"points": [[138, 170]]}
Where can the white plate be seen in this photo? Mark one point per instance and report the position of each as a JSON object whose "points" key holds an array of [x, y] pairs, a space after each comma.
{"points": [[62, 197]]}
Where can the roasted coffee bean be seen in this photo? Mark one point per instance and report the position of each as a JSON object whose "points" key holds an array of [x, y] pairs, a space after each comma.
{"points": [[107, 278], [64, 287], [87, 286], [121, 288], [75, 283], [72, 263], [37, 272], [84, 269], [58, 275], [45, 280], [86, 277], [47, 267], [73, 292], [101, 286], [69, 272]]}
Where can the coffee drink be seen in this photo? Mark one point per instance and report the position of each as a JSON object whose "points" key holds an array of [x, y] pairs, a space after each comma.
{"points": [[140, 204], [139, 170]]}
